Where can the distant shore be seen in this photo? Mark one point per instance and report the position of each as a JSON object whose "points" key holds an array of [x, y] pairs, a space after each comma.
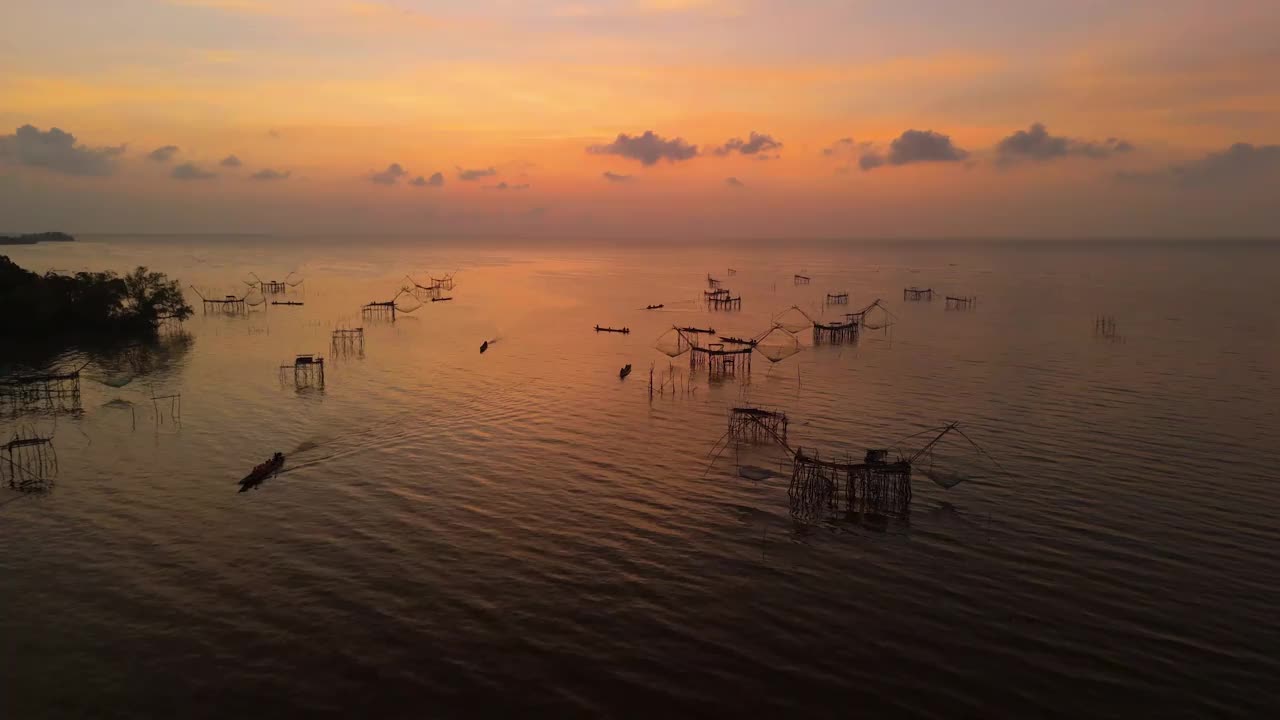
{"points": [[33, 238]]}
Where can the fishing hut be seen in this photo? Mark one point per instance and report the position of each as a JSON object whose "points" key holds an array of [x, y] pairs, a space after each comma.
{"points": [[840, 298], [879, 485], [917, 294], [308, 371], [53, 392], [961, 303], [876, 486], [724, 302], [719, 360], [836, 332], [28, 462], [379, 310], [757, 425]]}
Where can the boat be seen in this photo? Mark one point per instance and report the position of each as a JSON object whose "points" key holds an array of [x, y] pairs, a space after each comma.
{"points": [[262, 472], [737, 340], [659, 306], [484, 346], [625, 371]]}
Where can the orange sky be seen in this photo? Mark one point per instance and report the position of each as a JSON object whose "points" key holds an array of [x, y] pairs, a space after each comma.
{"points": [[1141, 104]]}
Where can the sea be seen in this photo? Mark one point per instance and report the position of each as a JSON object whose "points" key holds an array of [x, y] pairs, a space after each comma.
{"points": [[524, 532]]}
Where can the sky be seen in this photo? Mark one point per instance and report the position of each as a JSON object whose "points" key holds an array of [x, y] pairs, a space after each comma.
{"points": [[642, 118]]}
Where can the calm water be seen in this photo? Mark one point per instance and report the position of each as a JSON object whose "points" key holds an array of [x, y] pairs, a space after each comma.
{"points": [[522, 531]]}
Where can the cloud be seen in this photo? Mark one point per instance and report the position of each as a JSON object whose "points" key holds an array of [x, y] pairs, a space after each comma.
{"points": [[915, 146], [648, 148], [505, 186], [1036, 144], [191, 171], [476, 174], [614, 177], [839, 147], [436, 180], [163, 154], [734, 182], [56, 150], [757, 143], [390, 176], [269, 174], [231, 161], [1242, 164]]}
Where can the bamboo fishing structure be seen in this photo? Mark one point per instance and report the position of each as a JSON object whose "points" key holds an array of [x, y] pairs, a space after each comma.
{"points": [[961, 303], [28, 462], [56, 392], [756, 425], [307, 370], [917, 294], [838, 298]]}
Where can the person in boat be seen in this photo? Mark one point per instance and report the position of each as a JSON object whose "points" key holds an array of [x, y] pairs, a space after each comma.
{"points": [[484, 346]]}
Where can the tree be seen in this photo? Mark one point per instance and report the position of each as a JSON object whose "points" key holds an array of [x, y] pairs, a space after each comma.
{"points": [[153, 296]]}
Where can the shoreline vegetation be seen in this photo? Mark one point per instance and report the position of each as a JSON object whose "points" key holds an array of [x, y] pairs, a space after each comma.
{"points": [[86, 305], [33, 238]]}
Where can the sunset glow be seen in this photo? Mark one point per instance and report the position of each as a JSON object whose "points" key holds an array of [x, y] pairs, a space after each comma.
{"points": [[1156, 118]]}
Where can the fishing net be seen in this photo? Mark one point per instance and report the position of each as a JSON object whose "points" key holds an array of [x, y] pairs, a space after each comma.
{"points": [[793, 320], [675, 342], [293, 279], [876, 317], [254, 297], [778, 345], [407, 302], [949, 460]]}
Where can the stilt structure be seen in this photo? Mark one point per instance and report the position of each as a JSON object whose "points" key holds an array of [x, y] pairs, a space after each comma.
{"points": [[756, 425], [732, 272], [350, 337], [837, 332], [875, 486], [800, 279], [1104, 328], [840, 298], [380, 310], [229, 305], [712, 282], [719, 361], [961, 303], [273, 286], [307, 370], [917, 294], [28, 462], [58, 392], [724, 302], [173, 401]]}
